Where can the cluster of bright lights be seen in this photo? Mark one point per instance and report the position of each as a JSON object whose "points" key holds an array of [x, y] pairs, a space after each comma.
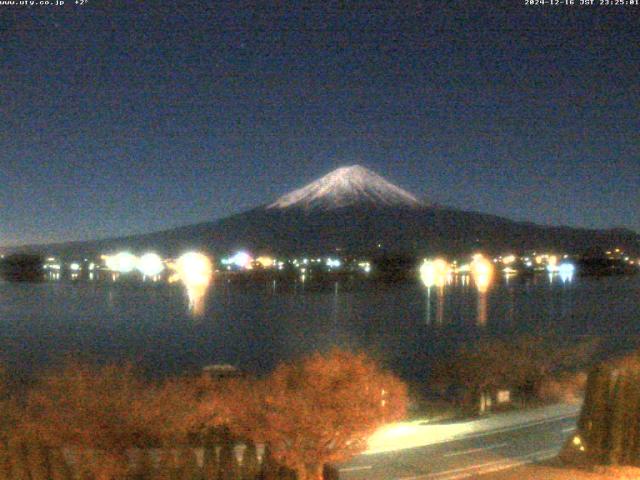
{"points": [[566, 271], [193, 269], [123, 262], [266, 262], [240, 259], [563, 268], [365, 266], [577, 442], [150, 264], [482, 272], [464, 269], [435, 272], [333, 263], [509, 259], [546, 259]]}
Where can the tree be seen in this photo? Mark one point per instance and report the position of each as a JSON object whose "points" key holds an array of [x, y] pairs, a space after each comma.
{"points": [[22, 267], [9, 412], [632, 453], [144, 466], [228, 463], [521, 363], [249, 468], [5, 465], [102, 412], [210, 462], [594, 417], [474, 369], [189, 469], [60, 469], [319, 410], [534, 358], [19, 461], [39, 461], [269, 469], [609, 422], [168, 468]]}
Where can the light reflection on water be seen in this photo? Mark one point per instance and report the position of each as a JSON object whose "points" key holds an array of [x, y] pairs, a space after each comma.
{"points": [[256, 325]]}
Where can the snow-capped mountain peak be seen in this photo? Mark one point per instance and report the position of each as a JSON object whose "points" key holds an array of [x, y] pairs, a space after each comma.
{"points": [[347, 186]]}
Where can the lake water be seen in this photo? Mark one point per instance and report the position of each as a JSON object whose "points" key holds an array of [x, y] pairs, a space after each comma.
{"points": [[256, 326]]}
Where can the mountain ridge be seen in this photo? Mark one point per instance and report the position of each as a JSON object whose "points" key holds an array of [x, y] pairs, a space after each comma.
{"points": [[353, 210], [346, 186]]}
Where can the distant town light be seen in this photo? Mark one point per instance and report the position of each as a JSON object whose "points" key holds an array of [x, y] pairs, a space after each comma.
{"points": [[509, 259], [465, 268], [566, 271], [241, 259], [194, 270], [434, 272], [366, 266], [333, 263], [150, 264], [266, 262], [123, 262], [482, 272], [428, 273], [74, 267]]}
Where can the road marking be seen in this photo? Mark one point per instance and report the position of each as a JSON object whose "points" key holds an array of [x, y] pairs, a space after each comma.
{"points": [[507, 465], [355, 469], [568, 429], [489, 467], [512, 428], [472, 450]]}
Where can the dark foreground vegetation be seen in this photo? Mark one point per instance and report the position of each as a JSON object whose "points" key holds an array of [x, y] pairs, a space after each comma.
{"points": [[85, 422], [609, 425], [534, 369], [22, 267], [106, 423]]}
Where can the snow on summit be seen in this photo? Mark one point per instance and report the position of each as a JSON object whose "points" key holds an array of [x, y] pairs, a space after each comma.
{"points": [[344, 187]]}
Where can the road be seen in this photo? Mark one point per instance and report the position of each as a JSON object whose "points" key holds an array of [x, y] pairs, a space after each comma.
{"points": [[473, 455]]}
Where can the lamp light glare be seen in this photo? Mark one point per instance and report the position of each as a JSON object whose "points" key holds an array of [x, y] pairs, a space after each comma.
{"points": [[150, 264]]}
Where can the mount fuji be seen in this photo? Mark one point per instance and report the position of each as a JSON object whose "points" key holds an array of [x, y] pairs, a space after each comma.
{"points": [[353, 210], [347, 186]]}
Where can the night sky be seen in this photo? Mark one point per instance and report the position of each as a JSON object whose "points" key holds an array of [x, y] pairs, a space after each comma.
{"points": [[127, 117]]}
